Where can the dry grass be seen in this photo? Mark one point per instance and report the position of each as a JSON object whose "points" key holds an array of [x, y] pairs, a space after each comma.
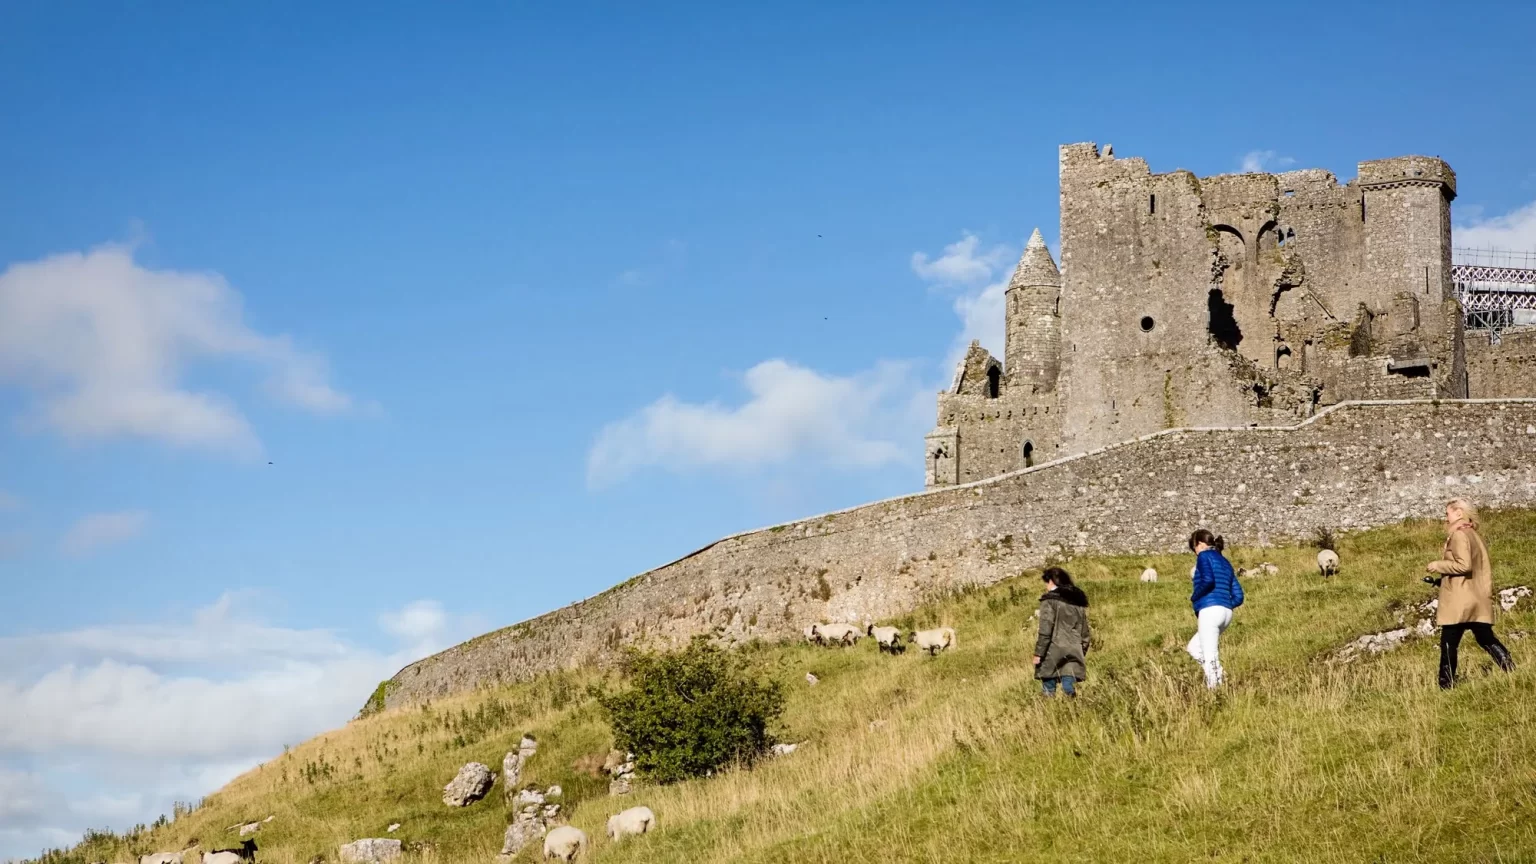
{"points": [[1297, 760]]}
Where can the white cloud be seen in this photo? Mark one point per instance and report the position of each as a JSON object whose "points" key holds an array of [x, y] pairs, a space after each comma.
{"points": [[103, 529], [1256, 161], [1513, 232], [104, 343], [962, 263], [151, 714], [791, 414]]}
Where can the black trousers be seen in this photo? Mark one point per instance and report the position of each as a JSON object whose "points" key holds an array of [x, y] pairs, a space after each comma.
{"points": [[1450, 641]]}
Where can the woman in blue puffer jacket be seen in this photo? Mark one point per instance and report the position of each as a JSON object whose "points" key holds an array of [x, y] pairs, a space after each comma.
{"points": [[1216, 593]]}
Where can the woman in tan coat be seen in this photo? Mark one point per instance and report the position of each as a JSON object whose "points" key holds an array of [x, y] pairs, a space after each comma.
{"points": [[1466, 591]]}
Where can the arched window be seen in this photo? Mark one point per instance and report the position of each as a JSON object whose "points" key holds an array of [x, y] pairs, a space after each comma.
{"points": [[994, 378], [1029, 453]]}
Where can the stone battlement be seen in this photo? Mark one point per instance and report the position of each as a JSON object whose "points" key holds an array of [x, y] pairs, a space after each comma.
{"points": [[1352, 465]]}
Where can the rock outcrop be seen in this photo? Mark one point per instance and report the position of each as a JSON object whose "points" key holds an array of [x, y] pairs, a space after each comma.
{"points": [[372, 850], [469, 785]]}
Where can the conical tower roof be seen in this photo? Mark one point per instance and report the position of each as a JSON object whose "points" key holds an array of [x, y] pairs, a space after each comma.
{"points": [[1036, 267]]}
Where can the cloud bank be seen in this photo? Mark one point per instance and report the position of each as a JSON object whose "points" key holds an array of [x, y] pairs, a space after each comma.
{"points": [[105, 346]]}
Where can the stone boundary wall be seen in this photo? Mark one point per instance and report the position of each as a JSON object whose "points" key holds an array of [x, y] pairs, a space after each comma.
{"points": [[1351, 466]]}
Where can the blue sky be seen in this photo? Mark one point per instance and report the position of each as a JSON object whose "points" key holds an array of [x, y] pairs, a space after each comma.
{"points": [[352, 331]]}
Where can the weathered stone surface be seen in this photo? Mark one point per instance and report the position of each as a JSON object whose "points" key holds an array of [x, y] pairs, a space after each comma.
{"points": [[512, 765], [1505, 370], [373, 850], [1349, 467], [532, 817], [1508, 597], [469, 785]]}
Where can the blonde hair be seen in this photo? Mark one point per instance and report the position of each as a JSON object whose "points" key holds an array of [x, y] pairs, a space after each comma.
{"points": [[1467, 508]]}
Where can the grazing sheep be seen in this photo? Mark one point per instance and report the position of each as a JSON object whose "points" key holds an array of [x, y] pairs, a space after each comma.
{"points": [[1269, 569], [1149, 575], [161, 858], [565, 842], [635, 820], [246, 852], [842, 634], [933, 641], [1328, 562], [888, 638]]}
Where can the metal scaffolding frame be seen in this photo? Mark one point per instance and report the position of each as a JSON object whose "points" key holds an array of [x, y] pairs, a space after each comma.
{"points": [[1492, 284]]}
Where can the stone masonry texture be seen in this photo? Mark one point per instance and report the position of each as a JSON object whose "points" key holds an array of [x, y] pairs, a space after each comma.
{"points": [[1346, 467]]}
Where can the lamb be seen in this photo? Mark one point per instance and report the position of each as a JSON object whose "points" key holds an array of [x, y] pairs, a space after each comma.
{"points": [[565, 843], [844, 634], [933, 641], [246, 853], [888, 638], [635, 820], [1149, 575], [1328, 562]]}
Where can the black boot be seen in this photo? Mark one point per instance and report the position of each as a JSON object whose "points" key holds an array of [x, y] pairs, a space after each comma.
{"points": [[1500, 655], [1447, 670]]}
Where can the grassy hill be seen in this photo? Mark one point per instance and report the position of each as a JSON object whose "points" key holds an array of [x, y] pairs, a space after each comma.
{"points": [[1297, 760]]}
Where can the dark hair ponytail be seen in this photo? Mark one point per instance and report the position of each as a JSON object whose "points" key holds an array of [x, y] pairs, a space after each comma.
{"points": [[1057, 576], [1203, 535]]}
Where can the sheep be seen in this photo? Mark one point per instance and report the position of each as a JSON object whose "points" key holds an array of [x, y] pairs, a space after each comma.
{"points": [[888, 638], [933, 641], [246, 852], [810, 633], [1328, 562], [843, 634], [1149, 575], [635, 820], [161, 858], [1269, 569], [565, 842]]}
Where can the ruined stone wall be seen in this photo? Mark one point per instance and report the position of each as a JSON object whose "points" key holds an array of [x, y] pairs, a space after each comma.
{"points": [[1351, 466], [1168, 278], [993, 434], [1505, 370]]}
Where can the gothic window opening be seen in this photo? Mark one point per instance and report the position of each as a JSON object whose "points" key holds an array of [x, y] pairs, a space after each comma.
{"points": [[1222, 324], [994, 378], [1029, 453]]}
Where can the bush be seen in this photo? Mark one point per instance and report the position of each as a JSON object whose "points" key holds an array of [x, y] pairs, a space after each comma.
{"points": [[1323, 538], [690, 712]]}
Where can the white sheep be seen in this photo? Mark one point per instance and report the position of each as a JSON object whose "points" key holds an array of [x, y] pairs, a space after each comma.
{"points": [[888, 638], [933, 641], [842, 634], [1269, 569], [565, 842], [246, 852], [1149, 575], [161, 858], [810, 632], [1328, 562], [635, 820]]}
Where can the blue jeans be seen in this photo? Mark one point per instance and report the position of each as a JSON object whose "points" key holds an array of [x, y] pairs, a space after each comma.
{"points": [[1068, 685]]}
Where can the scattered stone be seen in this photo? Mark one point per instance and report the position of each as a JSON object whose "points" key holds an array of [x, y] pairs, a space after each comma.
{"points": [[1510, 596], [249, 828], [393, 827], [532, 818], [1517, 635], [469, 785], [621, 766], [811, 679], [618, 787], [269, 819], [875, 724], [372, 850], [512, 765], [784, 749]]}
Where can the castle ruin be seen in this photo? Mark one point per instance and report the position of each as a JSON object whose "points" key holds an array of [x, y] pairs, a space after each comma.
{"points": [[1235, 300]]}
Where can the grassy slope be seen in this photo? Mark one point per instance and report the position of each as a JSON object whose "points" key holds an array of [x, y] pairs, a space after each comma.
{"points": [[1296, 761]]}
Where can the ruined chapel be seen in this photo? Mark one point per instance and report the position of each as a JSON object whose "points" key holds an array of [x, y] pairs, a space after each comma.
{"points": [[1228, 301]]}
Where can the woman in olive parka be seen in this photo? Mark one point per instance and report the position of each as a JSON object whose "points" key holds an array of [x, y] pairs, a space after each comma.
{"points": [[1062, 646]]}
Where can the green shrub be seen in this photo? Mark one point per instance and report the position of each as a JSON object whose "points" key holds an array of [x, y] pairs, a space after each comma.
{"points": [[690, 712]]}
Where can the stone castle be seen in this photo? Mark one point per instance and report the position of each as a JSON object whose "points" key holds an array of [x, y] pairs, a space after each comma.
{"points": [[1260, 354], [1241, 299]]}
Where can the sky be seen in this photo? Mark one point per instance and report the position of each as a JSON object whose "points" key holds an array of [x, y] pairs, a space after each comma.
{"points": [[333, 334]]}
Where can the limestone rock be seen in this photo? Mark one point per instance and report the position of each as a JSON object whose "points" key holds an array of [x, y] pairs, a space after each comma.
{"points": [[393, 827], [512, 764], [249, 828], [469, 785], [618, 787], [372, 850], [811, 679], [784, 749], [1510, 596]]}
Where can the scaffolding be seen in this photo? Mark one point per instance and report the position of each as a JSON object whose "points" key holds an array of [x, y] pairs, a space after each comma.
{"points": [[1496, 287]]}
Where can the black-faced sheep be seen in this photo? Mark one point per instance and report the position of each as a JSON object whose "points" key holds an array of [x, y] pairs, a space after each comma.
{"points": [[933, 641]]}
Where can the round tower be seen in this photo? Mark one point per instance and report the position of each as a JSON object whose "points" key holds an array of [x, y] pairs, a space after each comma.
{"points": [[1032, 356]]}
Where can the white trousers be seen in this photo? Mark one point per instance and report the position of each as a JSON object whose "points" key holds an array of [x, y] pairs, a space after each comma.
{"points": [[1203, 647]]}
